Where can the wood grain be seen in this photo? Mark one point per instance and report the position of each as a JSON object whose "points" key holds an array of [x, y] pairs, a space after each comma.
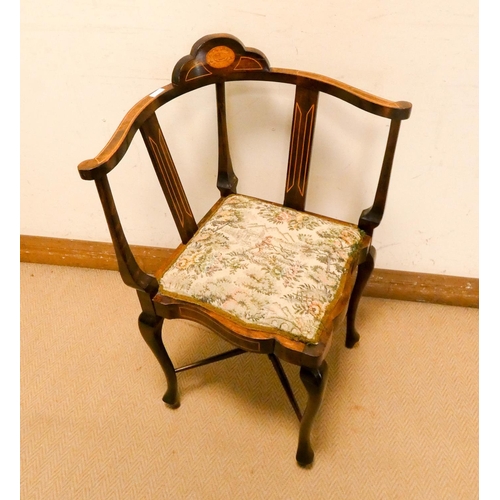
{"points": [[384, 283]]}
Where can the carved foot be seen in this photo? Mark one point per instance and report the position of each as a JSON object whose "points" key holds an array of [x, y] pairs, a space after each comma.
{"points": [[171, 398], [314, 381], [150, 327], [364, 272], [351, 337]]}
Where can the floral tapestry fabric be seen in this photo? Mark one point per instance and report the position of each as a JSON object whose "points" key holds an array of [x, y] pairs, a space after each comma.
{"points": [[268, 266]]}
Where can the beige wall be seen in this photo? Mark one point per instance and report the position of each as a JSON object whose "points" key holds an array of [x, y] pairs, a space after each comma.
{"points": [[86, 62]]}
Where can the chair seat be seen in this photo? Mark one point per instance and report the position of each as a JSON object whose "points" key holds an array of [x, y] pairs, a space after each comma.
{"points": [[265, 266]]}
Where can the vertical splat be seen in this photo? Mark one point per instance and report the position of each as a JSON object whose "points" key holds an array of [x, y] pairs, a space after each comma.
{"points": [[226, 179], [304, 119], [168, 178]]}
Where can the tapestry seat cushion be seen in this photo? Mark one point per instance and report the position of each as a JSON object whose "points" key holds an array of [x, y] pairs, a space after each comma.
{"points": [[267, 267]]}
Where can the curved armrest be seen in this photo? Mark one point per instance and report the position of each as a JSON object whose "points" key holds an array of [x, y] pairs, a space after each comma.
{"points": [[119, 143], [399, 110]]}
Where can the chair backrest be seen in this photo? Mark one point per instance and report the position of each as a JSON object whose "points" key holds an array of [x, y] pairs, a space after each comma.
{"points": [[215, 60]]}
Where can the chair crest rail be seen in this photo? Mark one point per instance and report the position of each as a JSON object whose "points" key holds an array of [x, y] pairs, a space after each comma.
{"points": [[216, 53]]}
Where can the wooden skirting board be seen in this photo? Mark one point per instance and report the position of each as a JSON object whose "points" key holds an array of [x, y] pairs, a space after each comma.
{"points": [[384, 283]]}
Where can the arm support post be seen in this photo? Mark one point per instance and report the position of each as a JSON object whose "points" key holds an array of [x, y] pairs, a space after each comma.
{"points": [[130, 271], [371, 217]]}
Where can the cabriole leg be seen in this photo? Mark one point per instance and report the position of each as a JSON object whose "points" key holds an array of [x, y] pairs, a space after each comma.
{"points": [[314, 381], [364, 273], [150, 327]]}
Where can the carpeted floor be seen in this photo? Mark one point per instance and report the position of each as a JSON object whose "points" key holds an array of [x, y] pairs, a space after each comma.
{"points": [[399, 419]]}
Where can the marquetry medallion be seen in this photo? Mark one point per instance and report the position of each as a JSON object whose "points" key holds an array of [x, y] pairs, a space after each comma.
{"points": [[220, 57]]}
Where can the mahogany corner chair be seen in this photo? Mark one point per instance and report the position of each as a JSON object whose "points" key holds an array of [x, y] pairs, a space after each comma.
{"points": [[268, 278]]}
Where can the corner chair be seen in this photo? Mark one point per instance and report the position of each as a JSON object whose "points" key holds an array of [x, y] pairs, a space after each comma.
{"points": [[269, 278]]}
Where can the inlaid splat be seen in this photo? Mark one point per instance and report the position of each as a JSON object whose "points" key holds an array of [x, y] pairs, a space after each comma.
{"points": [[299, 158], [169, 178]]}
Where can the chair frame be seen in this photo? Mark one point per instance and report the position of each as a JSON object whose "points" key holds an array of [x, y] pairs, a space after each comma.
{"points": [[215, 60]]}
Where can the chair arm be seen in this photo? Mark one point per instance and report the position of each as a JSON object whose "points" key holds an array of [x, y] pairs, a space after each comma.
{"points": [[399, 110], [119, 143]]}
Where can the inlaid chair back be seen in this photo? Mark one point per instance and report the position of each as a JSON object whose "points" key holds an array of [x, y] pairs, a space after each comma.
{"points": [[222, 297]]}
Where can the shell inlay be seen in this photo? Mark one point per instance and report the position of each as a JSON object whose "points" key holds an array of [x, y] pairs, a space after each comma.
{"points": [[220, 57]]}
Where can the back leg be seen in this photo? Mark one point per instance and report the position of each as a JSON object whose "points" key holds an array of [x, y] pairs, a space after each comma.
{"points": [[364, 272], [150, 326]]}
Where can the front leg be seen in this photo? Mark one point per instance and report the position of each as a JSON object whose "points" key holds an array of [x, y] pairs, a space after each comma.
{"points": [[364, 273], [150, 326], [314, 381]]}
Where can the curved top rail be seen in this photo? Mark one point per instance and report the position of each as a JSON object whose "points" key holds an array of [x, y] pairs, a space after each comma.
{"points": [[219, 58], [399, 110], [223, 57]]}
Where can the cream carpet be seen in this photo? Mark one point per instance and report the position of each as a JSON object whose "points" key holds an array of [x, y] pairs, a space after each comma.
{"points": [[399, 419]]}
